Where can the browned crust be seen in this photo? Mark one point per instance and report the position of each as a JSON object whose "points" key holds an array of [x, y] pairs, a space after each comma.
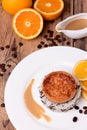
{"points": [[59, 86]]}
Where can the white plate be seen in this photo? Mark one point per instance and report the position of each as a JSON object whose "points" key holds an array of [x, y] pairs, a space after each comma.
{"points": [[36, 66]]}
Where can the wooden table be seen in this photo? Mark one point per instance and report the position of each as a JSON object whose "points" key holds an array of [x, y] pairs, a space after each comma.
{"points": [[13, 49]]}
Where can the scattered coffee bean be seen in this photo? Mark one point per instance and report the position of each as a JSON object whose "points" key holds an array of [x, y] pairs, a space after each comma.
{"points": [[76, 107], [4, 70], [2, 105], [2, 65], [2, 48], [80, 111], [9, 65], [45, 36], [68, 43], [42, 42], [50, 33], [39, 46], [75, 119], [85, 112], [84, 107], [56, 37], [7, 46], [45, 45], [14, 55], [20, 44]]}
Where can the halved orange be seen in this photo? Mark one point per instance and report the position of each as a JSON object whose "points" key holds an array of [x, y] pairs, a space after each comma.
{"points": [[27, 23], [84, 94], [84, 85], [13, 6], [49, 9], [80, 70]]}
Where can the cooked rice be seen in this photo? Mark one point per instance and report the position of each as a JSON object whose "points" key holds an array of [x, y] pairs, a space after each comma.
{"points": [[56, 107]]}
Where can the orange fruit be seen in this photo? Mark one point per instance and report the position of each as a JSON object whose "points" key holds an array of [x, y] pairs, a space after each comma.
{"points": [[49, 9], [27, 23], [80, 70], [13, 6], [84, 85], [84, 94]]}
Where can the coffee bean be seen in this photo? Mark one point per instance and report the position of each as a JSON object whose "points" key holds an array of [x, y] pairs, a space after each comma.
{"points": [[14, 55], [75, 119], [56, 37], [7, 46], [2, 65], [2, 105], [85, 112], [45, 36], [2, 48], [20, 44], [76, 107], [4, 70], [39, 46], [85, 107], [81, 111], [48, 31], [45, 45], [42, 42], [9, 65], [68, 43]]}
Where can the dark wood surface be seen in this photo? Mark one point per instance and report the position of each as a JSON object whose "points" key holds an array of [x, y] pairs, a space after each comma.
{"points": [[13, 49]]}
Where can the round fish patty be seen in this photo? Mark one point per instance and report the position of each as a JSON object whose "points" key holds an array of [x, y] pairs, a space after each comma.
{"points": [[59, 86], [60, 107]]}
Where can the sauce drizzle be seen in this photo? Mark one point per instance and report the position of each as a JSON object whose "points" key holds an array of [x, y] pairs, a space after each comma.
{"points": [[32, 105]]}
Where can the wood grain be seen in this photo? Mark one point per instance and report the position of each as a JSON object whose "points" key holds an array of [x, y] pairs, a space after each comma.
{"points": [[13, 49]]}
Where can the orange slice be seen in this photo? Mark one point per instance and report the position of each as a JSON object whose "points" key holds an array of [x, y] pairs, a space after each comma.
{"points": [[80, 70], [84, 94], [49, 9], [28, 23], [84, 85]]}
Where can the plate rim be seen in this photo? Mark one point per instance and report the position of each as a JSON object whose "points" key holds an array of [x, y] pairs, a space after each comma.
{"points": [[24, 59]]}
